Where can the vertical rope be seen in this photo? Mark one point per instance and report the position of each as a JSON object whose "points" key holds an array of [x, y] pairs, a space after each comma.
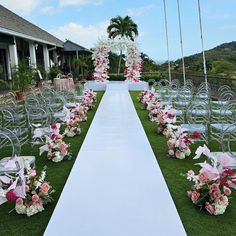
{"points": [[181, 43], [167, 41], [202, 41]]}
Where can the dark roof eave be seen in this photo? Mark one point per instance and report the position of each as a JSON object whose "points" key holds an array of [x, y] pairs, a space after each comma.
{"points": [[25, 36]]}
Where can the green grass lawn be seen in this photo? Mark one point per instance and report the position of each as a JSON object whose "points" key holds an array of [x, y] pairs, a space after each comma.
{"points": [[57, 173], [195, 222]]}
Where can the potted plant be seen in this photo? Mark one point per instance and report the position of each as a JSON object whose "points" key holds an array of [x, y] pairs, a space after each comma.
{"points": [[21, 79]]}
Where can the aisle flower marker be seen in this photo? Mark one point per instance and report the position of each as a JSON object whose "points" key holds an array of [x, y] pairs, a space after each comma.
{"points": [[212, 185], [55, 146], [165, 117], [72, 127], [29, 191], [154, 109], [179, 141]]}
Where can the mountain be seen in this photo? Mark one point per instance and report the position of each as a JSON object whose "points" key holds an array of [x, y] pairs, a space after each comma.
{"points": [[220, 61]]}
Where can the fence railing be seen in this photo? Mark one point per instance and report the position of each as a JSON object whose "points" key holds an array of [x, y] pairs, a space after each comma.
{"points": [[214, 81]]}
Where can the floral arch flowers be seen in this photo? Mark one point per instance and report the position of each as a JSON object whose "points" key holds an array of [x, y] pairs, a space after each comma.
{"points": [[133, 61]]}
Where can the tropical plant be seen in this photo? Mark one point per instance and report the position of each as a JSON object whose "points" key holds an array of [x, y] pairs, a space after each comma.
{"points": [[22, 76], [122, 27], [54, 71]]}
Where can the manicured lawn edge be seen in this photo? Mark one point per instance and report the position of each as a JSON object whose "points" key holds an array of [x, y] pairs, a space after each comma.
{"points": [[194, 221], [57, 173]]}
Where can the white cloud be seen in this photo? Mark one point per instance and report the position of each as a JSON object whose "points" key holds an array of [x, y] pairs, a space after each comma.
{"points": [[86, 36], [140, 11], [64, 3], [48, 10], [22, 7]]}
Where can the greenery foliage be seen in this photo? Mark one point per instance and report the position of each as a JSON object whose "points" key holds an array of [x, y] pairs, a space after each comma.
{"points": [[54, 71], [220, 61], [122, 27], [22, 76]]}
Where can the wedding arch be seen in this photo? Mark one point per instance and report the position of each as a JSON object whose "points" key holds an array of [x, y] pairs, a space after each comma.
{"points": [[133, 61]]}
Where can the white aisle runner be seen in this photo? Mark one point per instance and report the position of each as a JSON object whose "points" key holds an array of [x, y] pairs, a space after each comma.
{"points": [[116, 187]]}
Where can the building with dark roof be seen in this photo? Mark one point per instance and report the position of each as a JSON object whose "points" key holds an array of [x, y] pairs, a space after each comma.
{"points": [[21, 40]]}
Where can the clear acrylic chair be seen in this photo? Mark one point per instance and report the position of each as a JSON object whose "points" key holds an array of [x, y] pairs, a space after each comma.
{"points": [[197, 120], [14, 162], [223, 121]]}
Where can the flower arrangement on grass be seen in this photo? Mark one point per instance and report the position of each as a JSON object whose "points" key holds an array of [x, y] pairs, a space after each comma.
{"points": [[55, 146], [72, 127], [142, 94], [154, 109], [88, 98], [165, 117], [38, 193], [80, 112], [147, 97], [91, 94], [179, 141], [29, 191], [212, 185]]}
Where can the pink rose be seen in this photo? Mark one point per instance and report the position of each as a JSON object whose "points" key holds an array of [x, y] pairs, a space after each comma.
{"points": [[214, 187], [171, 152], [35, 198], [44, 187], [216, 194], [170, 144], [189, 193], [203, 177], [11, 195], [19, 201], [210, 208], [63, 148], [197, 186], [227, 191], [195, 196]]}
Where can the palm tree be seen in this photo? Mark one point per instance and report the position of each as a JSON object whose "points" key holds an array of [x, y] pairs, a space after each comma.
{"points": [[122, 27]]}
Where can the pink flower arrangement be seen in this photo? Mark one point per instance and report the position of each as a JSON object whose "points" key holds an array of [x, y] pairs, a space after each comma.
{"points": [[165, 117], [212, 184], [29, 192], [101, 63], [133, 63], [88, 98], [37, 195], [154, 109], [80, 112], [179, 141], [57, 149], [147, 97], [72, 127]]}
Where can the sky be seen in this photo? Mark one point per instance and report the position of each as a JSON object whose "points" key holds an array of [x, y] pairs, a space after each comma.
{"points": [[85, 21]]}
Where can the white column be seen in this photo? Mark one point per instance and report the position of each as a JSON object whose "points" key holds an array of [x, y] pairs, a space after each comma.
{"points": [[55, 59], [8, 64], [46, 58], [33, 60], [13, 54]]}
